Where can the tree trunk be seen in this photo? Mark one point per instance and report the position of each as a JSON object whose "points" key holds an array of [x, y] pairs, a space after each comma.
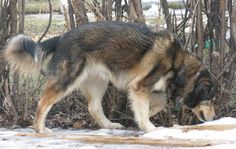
{"points": [[16, 77], [13, 31], [13, 15], [222, 33], [232, 69], [165, 7], [21, 8], [118, 10], [135, 11], [80, 12], [234, 22], [71, 14], [199, 29], [107, 9]]}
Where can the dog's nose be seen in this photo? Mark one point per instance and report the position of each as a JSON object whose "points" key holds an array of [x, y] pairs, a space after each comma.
{"points": [[214, 118]]}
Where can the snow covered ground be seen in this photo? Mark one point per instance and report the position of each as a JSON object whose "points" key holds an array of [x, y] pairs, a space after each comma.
{"points": [[219, 134]]}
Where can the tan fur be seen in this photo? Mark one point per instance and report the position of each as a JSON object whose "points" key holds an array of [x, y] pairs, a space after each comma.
{"points": [[140, 105], [207, 109], [162, 82], [50, 97], [140, 70]]}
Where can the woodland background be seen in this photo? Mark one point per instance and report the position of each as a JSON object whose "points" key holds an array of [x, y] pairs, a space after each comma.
{"points": [[206, 27]]}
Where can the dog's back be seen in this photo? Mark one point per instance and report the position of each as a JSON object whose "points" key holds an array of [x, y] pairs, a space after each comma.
{"points": [[118, 45]]}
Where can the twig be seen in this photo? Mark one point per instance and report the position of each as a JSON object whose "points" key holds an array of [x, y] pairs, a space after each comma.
{"points": [[6, 93], [192, 24], [226, 66], [49, 22], [96, 10]]}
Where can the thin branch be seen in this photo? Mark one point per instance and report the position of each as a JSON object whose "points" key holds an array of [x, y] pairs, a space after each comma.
{"points": [[49, 22], [192, 24], [226, 66], [96, 10]]}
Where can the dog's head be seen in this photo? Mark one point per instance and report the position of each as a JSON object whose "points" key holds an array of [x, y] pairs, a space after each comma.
{"points": [[201, 96], [196, 93]]}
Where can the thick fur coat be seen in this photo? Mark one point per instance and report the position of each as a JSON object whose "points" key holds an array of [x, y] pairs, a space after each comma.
{"points": [[150, 65]]}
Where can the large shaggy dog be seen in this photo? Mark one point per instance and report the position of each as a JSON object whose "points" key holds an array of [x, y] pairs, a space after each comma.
{"points": [[149, 65]]}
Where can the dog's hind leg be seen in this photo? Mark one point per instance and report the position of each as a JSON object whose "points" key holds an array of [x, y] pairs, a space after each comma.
{"points": [[66, 71], [140, 102], [94, 89], [50, 97]]}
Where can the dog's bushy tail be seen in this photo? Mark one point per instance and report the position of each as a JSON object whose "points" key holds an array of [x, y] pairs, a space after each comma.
{"points": [[24, 55]]}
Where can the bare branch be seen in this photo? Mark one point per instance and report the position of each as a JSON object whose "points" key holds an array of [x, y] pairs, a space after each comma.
{"points": [[49, 22]]}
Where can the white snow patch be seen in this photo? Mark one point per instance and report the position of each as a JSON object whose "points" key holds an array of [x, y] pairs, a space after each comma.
{"points": [[10, 139], [222, 121], [176, 132], [166, 133]]}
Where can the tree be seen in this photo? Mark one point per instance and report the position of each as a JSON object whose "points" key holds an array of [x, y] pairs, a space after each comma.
{"points": [[165, 7], [107, 9], [80, 12], [76, 7], [135, 11], [11, 19]]}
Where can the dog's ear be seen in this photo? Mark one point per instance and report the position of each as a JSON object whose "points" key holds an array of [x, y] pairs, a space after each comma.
{"points": [[201, 90], [177, 83], [204, 88]]}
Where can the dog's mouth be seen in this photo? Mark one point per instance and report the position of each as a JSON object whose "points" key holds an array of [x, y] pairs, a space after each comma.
{"points": [[202, 117], [205, 111]]}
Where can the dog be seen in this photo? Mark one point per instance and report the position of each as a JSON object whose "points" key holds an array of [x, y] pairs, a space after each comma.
{"points": [[150, 65]]}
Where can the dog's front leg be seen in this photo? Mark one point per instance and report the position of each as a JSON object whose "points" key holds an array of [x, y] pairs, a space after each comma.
{"points": [[140, 104]]}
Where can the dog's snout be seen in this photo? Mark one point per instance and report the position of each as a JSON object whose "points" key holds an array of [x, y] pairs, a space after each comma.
{"points": [[205, 112]]}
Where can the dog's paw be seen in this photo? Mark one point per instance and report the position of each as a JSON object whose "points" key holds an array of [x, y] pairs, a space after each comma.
{"points": [[114, 126], [44, 130], [47, 130], [152, 129], [148, 128]]}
